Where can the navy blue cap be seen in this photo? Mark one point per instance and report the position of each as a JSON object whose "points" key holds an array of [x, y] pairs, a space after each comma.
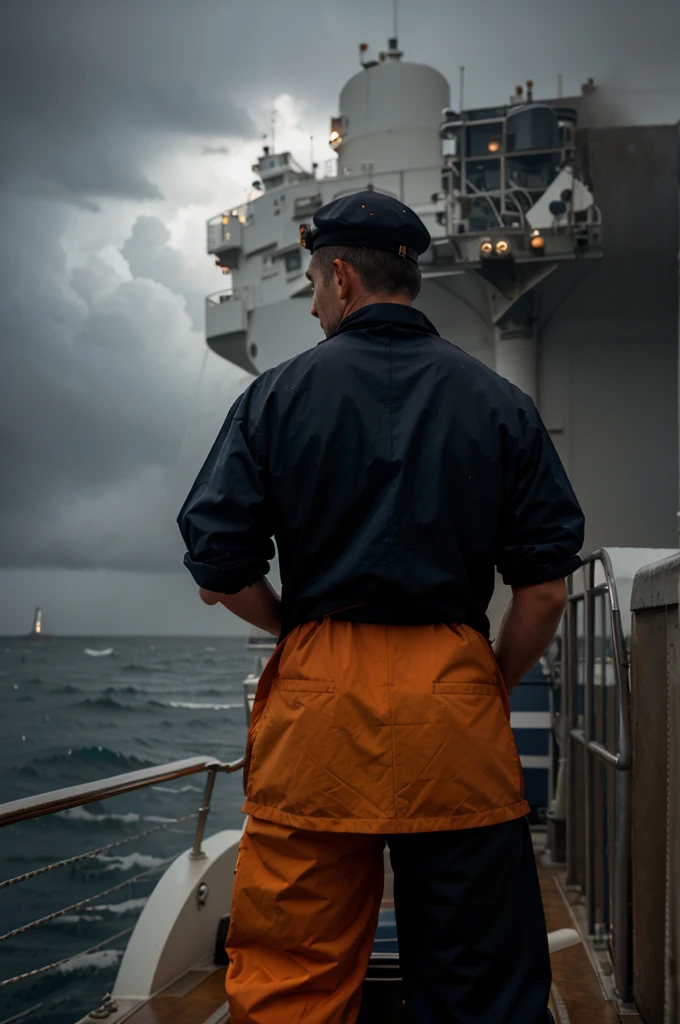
{"points": [[368, 220]]}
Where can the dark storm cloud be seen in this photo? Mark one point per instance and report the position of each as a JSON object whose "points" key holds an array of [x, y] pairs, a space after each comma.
{"points": [[98, 371], [88, 87]]}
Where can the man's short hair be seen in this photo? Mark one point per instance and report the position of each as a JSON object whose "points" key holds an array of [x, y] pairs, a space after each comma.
{"points": [[379, 271]]}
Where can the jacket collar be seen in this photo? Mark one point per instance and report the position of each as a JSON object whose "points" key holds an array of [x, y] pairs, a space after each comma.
{"points": [[381, 313]]}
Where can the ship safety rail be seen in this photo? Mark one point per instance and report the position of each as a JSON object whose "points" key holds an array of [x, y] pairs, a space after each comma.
{"points": [[518, 174], [224, 228], [77, 796], [595, 728]]}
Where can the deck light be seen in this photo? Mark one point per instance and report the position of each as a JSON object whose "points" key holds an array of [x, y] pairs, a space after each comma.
{"points": [[494, 146], [502, 247], [225, 219], [537, 241], [486, 248]]}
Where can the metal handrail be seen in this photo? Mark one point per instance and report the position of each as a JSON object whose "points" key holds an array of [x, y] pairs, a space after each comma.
{"points": [[620, 759], [215, 298], [89, 792], [75, 796]]}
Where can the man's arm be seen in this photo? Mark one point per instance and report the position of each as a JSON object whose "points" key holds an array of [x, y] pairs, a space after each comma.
{"points": [[258, 604], [528, 627], [226, 523]]}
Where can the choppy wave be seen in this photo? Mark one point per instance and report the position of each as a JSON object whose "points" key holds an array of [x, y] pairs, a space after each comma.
{"points": [[98, 758], [130, 818], [196, 706], [178, 789], [77, 918], [82, 814], [102, 960], [125, 907], [134, 667], [127, 861], [103, 703], [68, 688]]}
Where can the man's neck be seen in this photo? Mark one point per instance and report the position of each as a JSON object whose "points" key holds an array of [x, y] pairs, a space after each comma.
{"points": [[371, 298]]}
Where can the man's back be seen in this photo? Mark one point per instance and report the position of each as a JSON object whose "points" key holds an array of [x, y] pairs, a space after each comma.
{"points": [[395, 472]]}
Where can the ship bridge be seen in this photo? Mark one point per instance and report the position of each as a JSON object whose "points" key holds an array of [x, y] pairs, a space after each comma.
{"points": [[503, 191]]}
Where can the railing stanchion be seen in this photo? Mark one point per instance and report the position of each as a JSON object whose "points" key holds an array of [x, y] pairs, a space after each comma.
{"points": [[203, 812]]}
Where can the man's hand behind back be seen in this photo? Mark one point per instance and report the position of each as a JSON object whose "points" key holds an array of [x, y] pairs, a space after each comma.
{"points": [[528, 626]]}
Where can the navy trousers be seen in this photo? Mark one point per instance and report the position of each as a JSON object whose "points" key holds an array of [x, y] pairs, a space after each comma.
{"points": [[471, 928]]}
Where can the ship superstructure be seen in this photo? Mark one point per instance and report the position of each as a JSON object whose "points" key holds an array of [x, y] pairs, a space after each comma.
{"points": [[553, 260]]}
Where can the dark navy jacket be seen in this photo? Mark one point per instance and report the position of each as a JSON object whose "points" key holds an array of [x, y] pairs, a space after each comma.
{"points": [[395, 472]]}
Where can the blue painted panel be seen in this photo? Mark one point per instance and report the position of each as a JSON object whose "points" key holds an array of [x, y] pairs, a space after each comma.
{"points": [[530, 698], [532, 741], [536, 786], [386, 933]]}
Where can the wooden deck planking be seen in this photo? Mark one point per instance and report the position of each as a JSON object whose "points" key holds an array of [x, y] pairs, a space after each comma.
{"points": [[198, 996], [195, 1006], [573, 974]]}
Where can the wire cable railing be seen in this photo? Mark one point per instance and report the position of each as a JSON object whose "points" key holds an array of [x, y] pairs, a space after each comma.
{"points": [[62, 800]]}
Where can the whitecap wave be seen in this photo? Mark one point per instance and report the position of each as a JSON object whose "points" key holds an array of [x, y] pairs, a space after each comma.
{"points": [[82, 814], [125, 907], [77, 918], [103, 653], [124, 862], [178, 789], [99, 961], [194, 706]]}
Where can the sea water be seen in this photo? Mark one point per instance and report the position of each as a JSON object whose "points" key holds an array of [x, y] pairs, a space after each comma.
{"points": [[68, 717]]}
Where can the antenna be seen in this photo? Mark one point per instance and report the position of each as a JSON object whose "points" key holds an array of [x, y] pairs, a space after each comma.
{"points": [[395, 33], [311, 152], [273, 124], [559, 87], [461, 89]]}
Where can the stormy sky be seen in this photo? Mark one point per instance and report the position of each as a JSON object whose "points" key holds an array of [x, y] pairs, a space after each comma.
{"points": [[125, 124]]}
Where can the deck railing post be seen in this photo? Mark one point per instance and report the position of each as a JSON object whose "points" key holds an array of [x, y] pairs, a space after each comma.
{"points": [[203, 811], [589, 695]]}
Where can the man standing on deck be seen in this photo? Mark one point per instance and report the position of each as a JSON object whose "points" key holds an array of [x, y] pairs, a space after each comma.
{"points": [[396, 473]]}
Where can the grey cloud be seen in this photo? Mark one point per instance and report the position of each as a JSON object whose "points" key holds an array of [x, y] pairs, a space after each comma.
{"points": [[87, 90], [150, 256], [99, 376]]}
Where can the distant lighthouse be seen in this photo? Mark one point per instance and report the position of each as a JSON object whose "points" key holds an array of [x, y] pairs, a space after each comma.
{"points": [[36, 632]]}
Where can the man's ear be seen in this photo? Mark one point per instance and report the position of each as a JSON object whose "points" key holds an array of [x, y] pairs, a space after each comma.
{"points": [[344, 273]]}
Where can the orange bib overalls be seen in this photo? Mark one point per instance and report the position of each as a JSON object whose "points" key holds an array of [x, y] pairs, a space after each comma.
{"points": [[358, 731]]}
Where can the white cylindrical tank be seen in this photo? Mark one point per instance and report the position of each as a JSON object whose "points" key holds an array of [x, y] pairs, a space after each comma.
{"points": [[392, 112], [516, 352]]}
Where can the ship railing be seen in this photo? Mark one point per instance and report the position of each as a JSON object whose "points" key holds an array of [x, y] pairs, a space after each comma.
{"points": [[595, 730], [78, 796], [217, 298], [507, 208], [221, 227]]}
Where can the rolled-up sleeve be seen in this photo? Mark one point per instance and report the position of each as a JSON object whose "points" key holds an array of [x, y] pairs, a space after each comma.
{"points": [[226, 520], [542, 524]]}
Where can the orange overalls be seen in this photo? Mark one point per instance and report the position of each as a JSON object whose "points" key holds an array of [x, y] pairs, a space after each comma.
{"points": [[358, 731]]}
